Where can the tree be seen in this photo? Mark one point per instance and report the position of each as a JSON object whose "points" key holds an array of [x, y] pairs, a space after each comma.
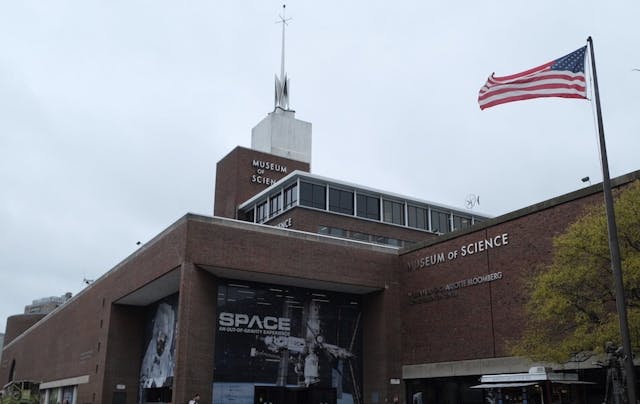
{"points": [[571, 308]]}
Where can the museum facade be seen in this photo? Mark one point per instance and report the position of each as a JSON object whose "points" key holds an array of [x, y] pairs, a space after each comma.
{"points": [[299, 288]]}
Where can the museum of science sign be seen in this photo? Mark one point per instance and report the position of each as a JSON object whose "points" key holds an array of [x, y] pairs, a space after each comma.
{"points": [[472, 248], [262, 175]]}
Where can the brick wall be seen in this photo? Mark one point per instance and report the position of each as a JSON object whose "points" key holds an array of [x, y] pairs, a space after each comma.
{"points": [[18, 324], [478, 321], [89, 335], [309, 220], [94, 335], [238, 180]]}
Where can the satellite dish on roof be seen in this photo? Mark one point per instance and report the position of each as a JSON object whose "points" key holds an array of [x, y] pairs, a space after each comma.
{"points": [[471, 201]]}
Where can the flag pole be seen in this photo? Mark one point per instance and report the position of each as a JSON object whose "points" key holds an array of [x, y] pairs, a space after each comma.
{"points": [[613, 244]]}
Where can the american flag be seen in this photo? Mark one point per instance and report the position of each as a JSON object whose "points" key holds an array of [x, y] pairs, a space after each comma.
{"points": [[563, 77]]}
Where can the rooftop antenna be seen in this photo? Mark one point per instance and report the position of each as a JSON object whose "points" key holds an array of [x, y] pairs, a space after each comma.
{"points": [[282, 84], [471, 201]]}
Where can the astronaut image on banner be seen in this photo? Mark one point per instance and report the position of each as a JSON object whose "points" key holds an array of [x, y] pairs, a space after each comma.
{"points": [[157, 364]]}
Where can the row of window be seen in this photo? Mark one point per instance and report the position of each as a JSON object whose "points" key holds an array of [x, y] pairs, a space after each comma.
{"points": [[366, 206], [276, 203], [355, 235]]}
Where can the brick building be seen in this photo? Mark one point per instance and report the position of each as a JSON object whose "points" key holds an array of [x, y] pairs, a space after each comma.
{"points": [[299, 289]]}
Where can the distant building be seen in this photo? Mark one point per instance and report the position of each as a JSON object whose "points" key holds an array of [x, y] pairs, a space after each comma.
{"points": [[46, 305]]}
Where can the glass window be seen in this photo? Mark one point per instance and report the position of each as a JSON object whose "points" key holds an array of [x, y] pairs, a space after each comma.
{"points": [[381, 239], [67, 395], [439, 222], [368, 207], [340, 201], [461, 222], [261, 212], [332, 231], [418, 217], [249, 215], [335, 231], [313, 195], [393, 212], [395, 242], [53, 396], [290, 196], [359, 236], [275, 204]]}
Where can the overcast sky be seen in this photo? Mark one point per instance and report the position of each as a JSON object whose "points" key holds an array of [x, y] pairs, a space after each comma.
{"points": [[113, 114]]}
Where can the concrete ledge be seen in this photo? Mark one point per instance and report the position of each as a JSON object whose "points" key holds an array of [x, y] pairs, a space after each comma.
{"points": [[467, 368], [72, 381], [277, 231], [490, 366]]}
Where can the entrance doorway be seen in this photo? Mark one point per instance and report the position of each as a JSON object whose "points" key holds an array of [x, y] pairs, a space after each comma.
{"points": [[294, 395]]}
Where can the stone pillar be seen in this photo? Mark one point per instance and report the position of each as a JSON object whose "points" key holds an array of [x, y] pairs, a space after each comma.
{"points": [[381, 346], [196, 335]]}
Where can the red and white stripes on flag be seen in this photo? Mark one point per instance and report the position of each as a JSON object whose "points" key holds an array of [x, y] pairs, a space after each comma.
{"points": [[563, 77]]}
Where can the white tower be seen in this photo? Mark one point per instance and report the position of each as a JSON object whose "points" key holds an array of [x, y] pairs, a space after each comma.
{"points": [[280, 133]]}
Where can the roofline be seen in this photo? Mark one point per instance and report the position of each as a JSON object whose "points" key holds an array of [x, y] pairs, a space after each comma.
{"points": [[516, 214], [366, 189], [114, 269], [232, 223], [279, 231]]}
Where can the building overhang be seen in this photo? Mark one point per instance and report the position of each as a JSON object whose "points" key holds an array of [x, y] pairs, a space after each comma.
{"points": [[153, 291], [276, 279]]}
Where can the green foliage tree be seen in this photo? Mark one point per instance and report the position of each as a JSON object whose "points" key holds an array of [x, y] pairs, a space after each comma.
{"points": [[571, 308]]}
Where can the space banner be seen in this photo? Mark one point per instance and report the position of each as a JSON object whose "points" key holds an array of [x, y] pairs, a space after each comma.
{"points": [[272, 335]]}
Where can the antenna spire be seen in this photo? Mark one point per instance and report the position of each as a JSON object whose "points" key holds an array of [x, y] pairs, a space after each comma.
{"points": [[282, 83]]}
